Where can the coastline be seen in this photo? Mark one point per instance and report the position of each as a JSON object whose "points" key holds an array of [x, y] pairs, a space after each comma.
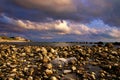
{"points": [[13, 41], [55, 63]]}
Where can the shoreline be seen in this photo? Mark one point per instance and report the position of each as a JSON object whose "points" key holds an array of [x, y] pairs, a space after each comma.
{"points": [[3, 41], [55, 63]]}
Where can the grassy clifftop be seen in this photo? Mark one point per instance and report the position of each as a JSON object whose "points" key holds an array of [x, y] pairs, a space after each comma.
{"points": [[13, 39]]}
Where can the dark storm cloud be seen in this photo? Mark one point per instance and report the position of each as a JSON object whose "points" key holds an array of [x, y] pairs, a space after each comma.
{"points": [[48, 5], [79, 10], [59, 30], [113, 15], [41, 20]]}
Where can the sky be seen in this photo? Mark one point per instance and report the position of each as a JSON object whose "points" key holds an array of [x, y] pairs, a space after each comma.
{"points": [[61, 20]]}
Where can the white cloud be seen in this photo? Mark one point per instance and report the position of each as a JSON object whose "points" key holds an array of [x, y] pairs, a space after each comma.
{"points": [[115, 33], [57, 26], [46, 37], [65, 27]]}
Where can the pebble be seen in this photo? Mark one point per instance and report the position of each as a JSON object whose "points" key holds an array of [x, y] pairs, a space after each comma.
{"points": [[44, 51], [73, 68], [49, 66], [45, 59], [53, 78], [48, 72], [54, 63], [30, 78], [10, 79], [67, 71]]}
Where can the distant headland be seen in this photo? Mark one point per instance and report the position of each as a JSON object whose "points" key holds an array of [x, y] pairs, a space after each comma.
{"points": [[13, 39]]}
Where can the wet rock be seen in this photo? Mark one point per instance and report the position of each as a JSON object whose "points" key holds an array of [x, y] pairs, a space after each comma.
{"points": [[52, 50], [109, 45], [49, 72], [45, 59], [38, 49], [49, 66], [106, 49], [53, 78], [27, 49], [71, 62], [80, 71], [10, 79], [114, 52], [26, 69], [30, 78], [31, 71], [23, 54], [41, 56], [60, 66], [44, 51], [67, 71], [73, 68], [94, 63], [65, 53], [102, 75], [93, 75], [14, 70]]}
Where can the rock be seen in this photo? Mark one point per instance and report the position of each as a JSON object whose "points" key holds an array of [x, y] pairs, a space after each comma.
{"points": [[41, 56], [93, 75], [10, 79], [44, 51], [14, 56], [12, 75], [111, 56], [30, 78], [45, 77], [52, 50], [48, 72], [31, 54], [31, 71], [14, 70], [106, 48], [102, 74], [37, 49], [50, 55], [53, 78], [60, 66], [13, 66], [49, 66], [26, 69], [45, 59], [54, 63], [14, 49], [109, 45], [114, 52], [73, 68], [23, 54], [116, 64], [67, 71], [28, 49], [72, 61], [65, 53], [94, 63]]}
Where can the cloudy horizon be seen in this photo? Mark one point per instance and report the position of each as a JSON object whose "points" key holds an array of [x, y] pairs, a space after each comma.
{"points": [[61, 20]]}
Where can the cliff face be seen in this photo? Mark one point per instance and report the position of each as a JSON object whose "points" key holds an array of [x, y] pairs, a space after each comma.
{"points": [[13, 39]]}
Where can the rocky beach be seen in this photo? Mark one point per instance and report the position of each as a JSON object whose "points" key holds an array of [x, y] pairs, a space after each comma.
{"points": [[59, 62]]}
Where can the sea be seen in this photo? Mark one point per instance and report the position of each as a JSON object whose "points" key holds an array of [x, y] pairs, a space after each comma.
{"points": [[55, 44]]}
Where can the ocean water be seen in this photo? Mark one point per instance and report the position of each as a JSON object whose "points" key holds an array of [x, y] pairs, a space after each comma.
{"points": [[48, 43], [54, 44]]}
